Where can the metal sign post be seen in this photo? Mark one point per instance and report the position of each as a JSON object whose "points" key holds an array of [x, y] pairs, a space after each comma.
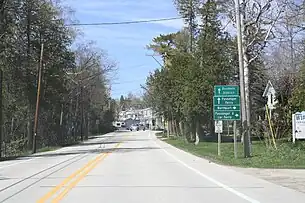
{"points": [[219, 130], [226, 106], [235, 141]]}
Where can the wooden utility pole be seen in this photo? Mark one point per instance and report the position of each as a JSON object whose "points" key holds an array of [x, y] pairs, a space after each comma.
{"points": [[37, 100], [1, 111], [242, 80], [82, 113], [191, 26]]}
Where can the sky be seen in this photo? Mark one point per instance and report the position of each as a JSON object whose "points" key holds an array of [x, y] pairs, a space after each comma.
{"points": [[126, 44]]}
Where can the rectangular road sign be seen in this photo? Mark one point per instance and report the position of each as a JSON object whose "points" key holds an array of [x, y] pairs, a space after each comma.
{"points": [[226, 102], [218, 127], [227, 108], [226, 90], [226, 115]]}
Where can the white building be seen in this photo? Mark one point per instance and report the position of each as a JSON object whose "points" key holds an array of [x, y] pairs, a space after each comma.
{"points": [[144, 116]]}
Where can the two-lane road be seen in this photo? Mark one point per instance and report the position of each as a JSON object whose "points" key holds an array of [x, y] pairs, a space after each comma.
{"points": [[131, 167]]}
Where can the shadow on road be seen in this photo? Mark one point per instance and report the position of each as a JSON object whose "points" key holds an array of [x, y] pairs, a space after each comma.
{"points": [[96, 143], [110, 140], [97, 151]]}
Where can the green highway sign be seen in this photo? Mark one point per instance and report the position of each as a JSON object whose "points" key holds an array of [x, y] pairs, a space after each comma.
{"points": [[226, 90], [226, 102], [227, 108], [226, 115]]}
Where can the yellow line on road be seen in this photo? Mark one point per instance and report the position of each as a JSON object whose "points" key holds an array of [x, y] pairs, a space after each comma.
{"points": [[79, 178], [90, 165]]}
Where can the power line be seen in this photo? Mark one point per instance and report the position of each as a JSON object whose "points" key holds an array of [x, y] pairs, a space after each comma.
{"points": [[124, 22]]}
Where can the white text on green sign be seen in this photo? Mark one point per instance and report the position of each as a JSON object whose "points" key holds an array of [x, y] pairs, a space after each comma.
{"points": [[225, 101], [229, 115], [227, 108], [226, 90]]}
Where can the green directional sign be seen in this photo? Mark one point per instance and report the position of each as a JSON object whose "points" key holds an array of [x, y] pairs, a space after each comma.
{"points": [[226, 115], [226, 102], [226, 90], [227, 108]]}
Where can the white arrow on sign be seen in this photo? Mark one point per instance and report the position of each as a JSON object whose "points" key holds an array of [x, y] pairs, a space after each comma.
{"points": [[236, 115], [218, 100], [219, 90]]}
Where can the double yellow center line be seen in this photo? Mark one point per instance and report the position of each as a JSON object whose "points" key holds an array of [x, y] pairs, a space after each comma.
{"points": [[77, 175]]}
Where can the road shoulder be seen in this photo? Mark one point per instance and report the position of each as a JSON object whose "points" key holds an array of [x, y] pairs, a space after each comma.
{"points": [[247, 184]]}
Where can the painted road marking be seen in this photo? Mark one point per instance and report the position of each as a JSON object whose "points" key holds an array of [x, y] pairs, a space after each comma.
{"points": [[239, 194], [74, 183], [91, 164]]}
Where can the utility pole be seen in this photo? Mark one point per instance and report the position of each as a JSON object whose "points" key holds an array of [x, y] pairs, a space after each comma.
{"points": [[61, 133], [37, 100], [1, 111], [191, 26], [241, 80], [82, 113], [246, 79]]}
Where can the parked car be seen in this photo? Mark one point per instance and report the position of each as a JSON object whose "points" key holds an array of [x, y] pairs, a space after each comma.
{"points": [[137, 127]]}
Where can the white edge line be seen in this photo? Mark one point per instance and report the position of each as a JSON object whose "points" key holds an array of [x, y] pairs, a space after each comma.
{"points": [[20, 162], [239, 194]]}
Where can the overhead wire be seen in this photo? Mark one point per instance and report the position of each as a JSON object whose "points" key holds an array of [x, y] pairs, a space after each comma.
{"points": [[124, 22]]}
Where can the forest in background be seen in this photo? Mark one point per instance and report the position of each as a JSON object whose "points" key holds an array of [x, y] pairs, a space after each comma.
{"points": [[204, 54], [74, 97]]}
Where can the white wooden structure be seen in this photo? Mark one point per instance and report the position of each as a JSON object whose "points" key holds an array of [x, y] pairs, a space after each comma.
{"points": [[270, 94]]}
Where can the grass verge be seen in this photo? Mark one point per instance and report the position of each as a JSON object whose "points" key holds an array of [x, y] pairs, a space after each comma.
{"points": [[287, 155]]}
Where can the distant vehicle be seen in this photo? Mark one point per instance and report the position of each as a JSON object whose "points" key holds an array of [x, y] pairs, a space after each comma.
{"points": [[137, 127]]}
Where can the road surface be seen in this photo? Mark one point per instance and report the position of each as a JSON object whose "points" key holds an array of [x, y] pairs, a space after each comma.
{"points": [[131, 167]]}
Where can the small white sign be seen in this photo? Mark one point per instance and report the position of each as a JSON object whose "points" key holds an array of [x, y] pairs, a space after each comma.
{"points": [[298, 125], [218, 127]]}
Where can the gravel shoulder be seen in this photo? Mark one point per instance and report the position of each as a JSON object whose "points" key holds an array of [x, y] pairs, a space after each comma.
{"points": [[290, 178]]}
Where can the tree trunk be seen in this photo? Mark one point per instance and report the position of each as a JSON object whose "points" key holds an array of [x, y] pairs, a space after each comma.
{"points": [[197, 140]]}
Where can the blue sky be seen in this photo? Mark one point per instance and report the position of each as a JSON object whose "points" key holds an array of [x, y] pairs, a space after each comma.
{"points": [[126, 43]]}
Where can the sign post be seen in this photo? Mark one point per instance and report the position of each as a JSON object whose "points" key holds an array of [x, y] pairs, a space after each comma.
{"points": [[218, 130], [226, 106], [235, 140]]}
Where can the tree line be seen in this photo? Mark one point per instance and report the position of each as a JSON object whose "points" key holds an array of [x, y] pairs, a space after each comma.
{"points": [[204, 54], [74, 99]]}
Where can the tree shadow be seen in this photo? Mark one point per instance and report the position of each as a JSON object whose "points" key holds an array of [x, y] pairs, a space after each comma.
{"points": [[98, 151], [224, 139], [96, 143]]}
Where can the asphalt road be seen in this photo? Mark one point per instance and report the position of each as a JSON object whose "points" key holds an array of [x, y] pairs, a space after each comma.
{"points": [[131, 167]]}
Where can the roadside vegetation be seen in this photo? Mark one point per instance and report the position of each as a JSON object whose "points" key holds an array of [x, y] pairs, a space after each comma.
{"points": [[74, 99], [204, 54], [287, 156]]}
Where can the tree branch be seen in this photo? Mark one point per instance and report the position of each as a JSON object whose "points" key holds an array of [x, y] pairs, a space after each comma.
{"points": [[268, 33]]}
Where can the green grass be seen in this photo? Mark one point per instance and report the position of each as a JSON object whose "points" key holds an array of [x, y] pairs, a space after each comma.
{"points": [[287, 155]]}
